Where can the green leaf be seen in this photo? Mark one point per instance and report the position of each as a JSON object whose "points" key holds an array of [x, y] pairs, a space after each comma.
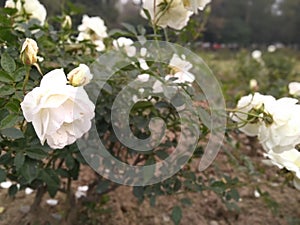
{"points": [[8, 63], [6, 90], [29, 170], [36, 153], [12, 133], [13, 105], [130, 28], [19, 160], [5, 77], [70, 162], [52, 181], [13, 190], [19, 74], [186, 201], [9, 121], [176, 215], [2, 175]]}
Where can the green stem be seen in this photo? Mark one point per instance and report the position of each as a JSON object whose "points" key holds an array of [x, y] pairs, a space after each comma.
{"points": [[166, 34], [28, 68]]}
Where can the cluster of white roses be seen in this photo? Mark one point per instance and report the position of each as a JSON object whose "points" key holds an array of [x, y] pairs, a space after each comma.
{"points": [[276, 123], [59, 109], [35, 11], [172, 13]]}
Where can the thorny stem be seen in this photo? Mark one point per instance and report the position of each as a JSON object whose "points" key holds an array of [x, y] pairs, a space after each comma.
{"points": [[28, 68]]}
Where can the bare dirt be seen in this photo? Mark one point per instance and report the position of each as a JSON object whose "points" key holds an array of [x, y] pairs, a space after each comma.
{"points": [[120, 207]]}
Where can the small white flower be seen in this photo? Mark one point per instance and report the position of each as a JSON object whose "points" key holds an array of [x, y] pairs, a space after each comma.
{"points": [[28, 191], [294, 88], [167, 13], [289, 160], [245, 105], [60, 113], [180, 68], [271, 48], [80, 76], [84, 188], [94, 29], [6, 184], [284, 132], [33, 8], [256, 54], [143, 77], [52, 202], [253, 85], [256, 194], [126, 44]]}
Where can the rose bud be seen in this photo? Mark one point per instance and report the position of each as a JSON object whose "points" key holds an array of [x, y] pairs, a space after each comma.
{"points": [[29, 52], [80, 76]]}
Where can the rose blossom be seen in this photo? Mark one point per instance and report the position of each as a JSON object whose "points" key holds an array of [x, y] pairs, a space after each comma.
{"points": [[80, 76], [255, 104], [294, 88], [194, 5], [33, 8], [162, 14], [284, 131], [289, 160], [60, 113]]}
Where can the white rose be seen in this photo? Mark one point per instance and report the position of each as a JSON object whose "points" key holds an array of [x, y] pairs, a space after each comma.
{"points": [[284, 132], [194, 5], [33, 8], [126, 44], [29, 52], [175, 16], [245, 105], [94, 29], [180, 70], [294, 88], [80, 76], [289, 160], [271, 48], [60, 113], [256, 55]]}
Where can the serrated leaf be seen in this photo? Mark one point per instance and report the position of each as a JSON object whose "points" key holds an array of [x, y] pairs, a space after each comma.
{"points": [[19, 160], [13, 105], [70, 162], [130, 28], [8, 63], [9, 121], [12, 133], [19, 74], [36, 153], [6, 90], [176, 215], [29, 171], [5, 77], [52, 181]]}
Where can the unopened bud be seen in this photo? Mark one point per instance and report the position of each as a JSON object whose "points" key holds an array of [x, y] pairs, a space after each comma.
{"points": [[67, 23], [80, 76], [29, 52]]}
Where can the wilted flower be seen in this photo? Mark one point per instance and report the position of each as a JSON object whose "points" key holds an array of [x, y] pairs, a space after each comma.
{"points": [[194, 5], [94, 29], [250, 112], [59, 113], [33, 8], [180, 70], [163, 13], [284, 132], [126, 44], [289, 160], [29, 52], [294, 88], [80, 76]]}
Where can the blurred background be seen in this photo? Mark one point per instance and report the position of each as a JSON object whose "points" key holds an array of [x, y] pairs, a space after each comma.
{"points": [[234, 22]]}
